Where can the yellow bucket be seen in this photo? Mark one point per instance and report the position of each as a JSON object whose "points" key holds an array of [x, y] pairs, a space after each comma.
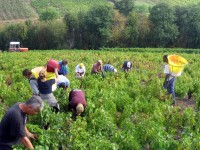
{"points": [[177, 64]]}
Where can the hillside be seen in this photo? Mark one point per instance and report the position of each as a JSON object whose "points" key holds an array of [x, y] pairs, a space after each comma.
{"points": [[19, 10], [16, 10]]}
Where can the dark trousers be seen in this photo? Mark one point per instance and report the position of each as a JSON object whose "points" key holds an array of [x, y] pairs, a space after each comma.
{"points": [[170, 87]]}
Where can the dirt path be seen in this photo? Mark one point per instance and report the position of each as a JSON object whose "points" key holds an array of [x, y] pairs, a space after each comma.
{"points": [[185, 103]]}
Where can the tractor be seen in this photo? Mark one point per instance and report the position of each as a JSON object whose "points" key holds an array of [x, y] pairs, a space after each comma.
{"points": [[15, 47]]}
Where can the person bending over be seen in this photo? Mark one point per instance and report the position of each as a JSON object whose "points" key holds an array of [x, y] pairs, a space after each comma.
{"points": [[13, 124]]}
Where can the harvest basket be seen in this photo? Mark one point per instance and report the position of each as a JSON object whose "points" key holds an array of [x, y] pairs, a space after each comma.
{"points": [[177, 64]]}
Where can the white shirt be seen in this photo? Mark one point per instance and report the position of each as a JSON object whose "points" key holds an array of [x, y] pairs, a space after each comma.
{"points": [[79, 69], [62, 79]]}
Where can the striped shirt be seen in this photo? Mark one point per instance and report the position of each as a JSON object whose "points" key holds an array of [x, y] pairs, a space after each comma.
{"points": [[108, 67]]}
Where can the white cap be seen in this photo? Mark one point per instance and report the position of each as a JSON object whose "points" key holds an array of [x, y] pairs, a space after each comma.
{"points": [[115, 70]]}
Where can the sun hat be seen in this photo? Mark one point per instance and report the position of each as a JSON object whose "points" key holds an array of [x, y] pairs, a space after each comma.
{"points": [[79, 108], [81, 65]]}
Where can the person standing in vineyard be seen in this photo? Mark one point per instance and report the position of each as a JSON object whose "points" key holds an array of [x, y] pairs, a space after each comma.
{"points": [[169, 82], [13, 124], [45, 88], [127, 66], [97, 67], [77, 102]]}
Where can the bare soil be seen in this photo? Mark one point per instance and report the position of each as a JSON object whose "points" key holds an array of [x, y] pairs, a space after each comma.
{"points": [[185, 103]]}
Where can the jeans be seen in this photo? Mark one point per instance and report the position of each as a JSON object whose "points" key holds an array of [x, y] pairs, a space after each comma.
{"points": [[170, 87]]}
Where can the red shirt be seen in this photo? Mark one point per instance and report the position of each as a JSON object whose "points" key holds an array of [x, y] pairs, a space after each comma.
{"points": [[77, 96]]}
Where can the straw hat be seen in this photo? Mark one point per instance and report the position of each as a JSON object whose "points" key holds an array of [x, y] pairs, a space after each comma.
{"points": [[79, 109]]}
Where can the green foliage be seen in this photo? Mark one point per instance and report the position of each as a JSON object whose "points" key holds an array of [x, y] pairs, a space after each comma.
{"points": [[124, 110], [97, 24], [49, 14], [125, 6], [164, 28], [188, 22]]}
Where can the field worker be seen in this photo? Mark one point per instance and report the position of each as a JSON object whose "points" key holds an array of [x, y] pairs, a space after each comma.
{"points": [[97, 67], [127, 66], [52, 66], [169, 81], [109, 68], [80, 71], [63, 82], [77, 101], [63, 68], [32, 76], [45, 89], [13, 124]]}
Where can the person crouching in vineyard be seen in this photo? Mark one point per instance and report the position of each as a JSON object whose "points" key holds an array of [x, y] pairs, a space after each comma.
{"points": [[80, 71], [109, 68], [63, 82], [77, 102], [45, 89], [32, 76], [97, 67], [13, 124], [169, 82], [63, 68], [127, 66]]}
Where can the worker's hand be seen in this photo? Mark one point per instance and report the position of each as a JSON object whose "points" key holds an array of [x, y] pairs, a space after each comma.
{"points": [[32, 136], [165, 84]]}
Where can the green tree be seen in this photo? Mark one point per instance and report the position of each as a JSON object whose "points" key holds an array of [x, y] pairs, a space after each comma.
{"points": [[125, 6], [164, 31], [71, 21], [48, 14], [117, 29], [143, 26], [97, 26], [189, 26], [16, 32], [130, 34]]}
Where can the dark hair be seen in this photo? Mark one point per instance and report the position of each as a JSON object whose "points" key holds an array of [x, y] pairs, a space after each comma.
{"points": [[26, 72], [62, 85], [64, 62], [165, 58]]}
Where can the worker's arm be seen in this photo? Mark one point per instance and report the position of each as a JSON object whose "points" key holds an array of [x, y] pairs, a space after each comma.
{"points": [[56, 72], [26, 142], [166, 79], [31, 135]]}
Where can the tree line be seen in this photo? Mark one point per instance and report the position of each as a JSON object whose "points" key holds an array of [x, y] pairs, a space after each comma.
{"points": [[117, 24]]}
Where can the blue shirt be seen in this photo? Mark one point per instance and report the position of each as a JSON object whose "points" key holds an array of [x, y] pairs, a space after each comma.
{"points": [[63, 69], [45, 87]]}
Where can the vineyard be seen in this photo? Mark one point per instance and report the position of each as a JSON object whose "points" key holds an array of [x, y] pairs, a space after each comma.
{"points": [[11, 10], [16, 9], [124, 110]]}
